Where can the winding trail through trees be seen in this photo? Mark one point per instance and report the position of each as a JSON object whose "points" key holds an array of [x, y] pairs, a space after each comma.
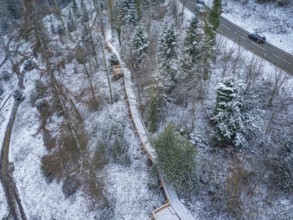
{"points": [[11, 192], [172, 209]]}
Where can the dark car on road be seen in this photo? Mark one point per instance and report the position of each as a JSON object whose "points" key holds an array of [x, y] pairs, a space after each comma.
{"points": [[257, 37]]}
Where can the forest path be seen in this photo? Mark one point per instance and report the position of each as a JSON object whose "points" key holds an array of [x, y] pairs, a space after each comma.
{"points": [[172, 209], [11, 192]]}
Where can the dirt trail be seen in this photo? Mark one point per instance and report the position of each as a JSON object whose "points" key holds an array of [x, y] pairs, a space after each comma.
{"points": [[13, 200]]}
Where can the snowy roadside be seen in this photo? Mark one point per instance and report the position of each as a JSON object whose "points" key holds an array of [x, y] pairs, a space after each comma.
{"points": [[276, 23]]}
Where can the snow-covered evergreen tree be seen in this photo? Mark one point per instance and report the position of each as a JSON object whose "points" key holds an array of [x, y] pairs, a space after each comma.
{"points": [[129, 12], [168, 44], [284, 166], [235, 116], [53, 29], [192, 39], [60, 29], [85, 14], [176, 158], [140, 41], [75, 9], [85, 33], [70, 23], [214, 16], [167, 55]]}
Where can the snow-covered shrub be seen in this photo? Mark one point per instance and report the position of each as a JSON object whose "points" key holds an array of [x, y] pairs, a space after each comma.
{"points": [[28, 65], [235, 115], [140, 41], [129, 12], [38, 92], [176, 158], [80, 54], [284, 166], [41, 104], [85, 15], [153, 181], [49, 140], [114, 60], [75, 9], [60, 30], [5, 26], [119, 152], [1, 89], [46, 172], [71, 26], [61, 162], [107, 213], [237, 185], [53, 29], [115, 151], [69, 57], [18, 95], [70, 186], [6, 76], [153, 113], [100, 158]]}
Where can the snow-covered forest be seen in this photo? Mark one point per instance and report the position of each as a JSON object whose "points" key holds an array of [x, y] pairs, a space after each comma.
{"points": [[219, 119]]}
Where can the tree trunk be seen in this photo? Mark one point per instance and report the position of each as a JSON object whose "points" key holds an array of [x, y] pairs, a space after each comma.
{"points": [[91, 85]]}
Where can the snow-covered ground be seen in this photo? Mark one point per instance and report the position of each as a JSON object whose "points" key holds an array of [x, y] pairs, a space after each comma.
{"points": [[126, 187], [4, 118], [199, 203], [3, 204], [275, 22], [6, 103], [218, 161]]}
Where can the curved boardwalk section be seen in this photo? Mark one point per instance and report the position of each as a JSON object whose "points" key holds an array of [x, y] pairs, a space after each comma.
{"points": [[173, 209]]}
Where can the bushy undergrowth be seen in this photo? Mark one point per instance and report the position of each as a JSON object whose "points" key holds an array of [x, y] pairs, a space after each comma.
{"points": [[1, 90], [6, 76], [284, 167], [38, 93], [18, 95], [116, 152], [176, 158], [70, 186]]}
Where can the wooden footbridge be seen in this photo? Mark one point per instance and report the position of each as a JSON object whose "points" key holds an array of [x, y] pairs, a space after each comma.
{"points": [[172, 209]]}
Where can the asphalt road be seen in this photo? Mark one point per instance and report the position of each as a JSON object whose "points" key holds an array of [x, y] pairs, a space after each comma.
{"points": [[237, 34]]}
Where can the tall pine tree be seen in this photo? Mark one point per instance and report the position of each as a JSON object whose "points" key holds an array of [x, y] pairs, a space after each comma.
{"points": [[167, 55], [129, 12], [235, 115], [214, 16], [85, 15], [75, 9], [168, 44], [140, 42], [192, 39], [71, 23]]}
